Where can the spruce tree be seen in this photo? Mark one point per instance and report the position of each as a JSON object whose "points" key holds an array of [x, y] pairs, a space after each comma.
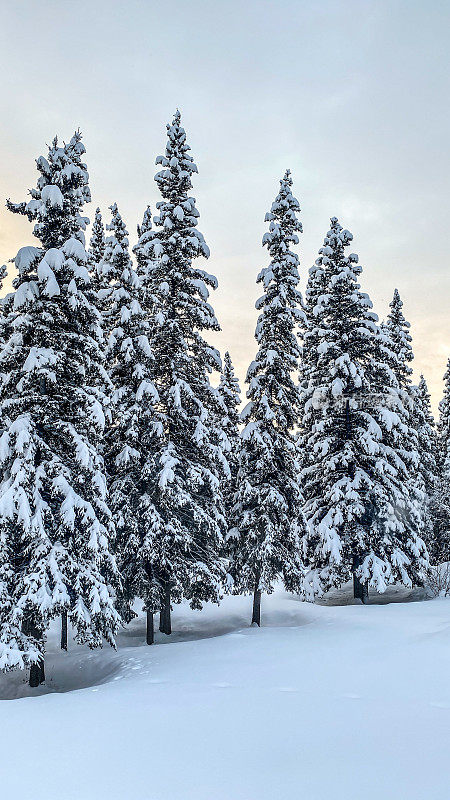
{"points": [[399, 351], [99, 290], [97, 242], [144, 263], [444, 424], [427, 435], [189, 462], [130, 440], [145, 226], [61, 191], [399, 356], [16, 646], [428, 467], [362, 521], [441, 504], [230, 393], [55, 523], [309, 334], [269, 522], [96, 250], [97, 293]]}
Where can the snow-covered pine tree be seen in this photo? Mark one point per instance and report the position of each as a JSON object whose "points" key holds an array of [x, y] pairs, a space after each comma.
{"points": [[397, 329], [399, 356], [309, 331], [441, 505], [96, 250], [230, 394], [428, 447], [97, 244], [189, 462], [145, 226], [428, 464], [444, 423], [309, 334], [130, 440], [144, 263], [269, 522], [55, 524], [62, 189], [15, 641], [354, 480], [97, 293], [116, 262]]}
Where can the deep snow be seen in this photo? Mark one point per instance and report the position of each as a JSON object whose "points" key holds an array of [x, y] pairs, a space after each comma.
{"points": [[324, 702]]}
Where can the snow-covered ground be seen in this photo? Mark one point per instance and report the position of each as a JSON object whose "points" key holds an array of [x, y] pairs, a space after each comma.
{"points": [[324, 702]]}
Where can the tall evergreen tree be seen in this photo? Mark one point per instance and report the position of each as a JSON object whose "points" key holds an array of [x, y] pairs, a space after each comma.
{"points": [[189, 461], [428, 465], [62, 189], [362, 521], [97, 244], [427, 434], [96, 250], [97, 293], [399, 356], [444, 424], [309, 331], [144, 263], [310, 334], [130, 441], [400, 351], [441, 504], [269, 522], [230, 394], [55, 524], [145, 226]]}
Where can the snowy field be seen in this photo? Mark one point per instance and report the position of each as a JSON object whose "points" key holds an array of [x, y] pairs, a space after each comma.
{"points": [[324, 702]]}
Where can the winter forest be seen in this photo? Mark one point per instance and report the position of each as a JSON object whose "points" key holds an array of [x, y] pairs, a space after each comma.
{"points": [[134, 474]]}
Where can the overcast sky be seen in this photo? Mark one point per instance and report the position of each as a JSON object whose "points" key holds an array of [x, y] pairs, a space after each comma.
{"points": [[353, 97]]}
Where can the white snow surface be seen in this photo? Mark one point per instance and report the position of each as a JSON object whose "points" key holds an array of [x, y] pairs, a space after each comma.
{"points": [[324, 702]]}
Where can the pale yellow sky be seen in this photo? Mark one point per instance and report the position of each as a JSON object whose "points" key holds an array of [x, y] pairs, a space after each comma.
{"points": [[351, 96]]}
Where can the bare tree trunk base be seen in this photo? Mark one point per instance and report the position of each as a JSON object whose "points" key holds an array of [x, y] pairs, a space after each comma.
{"points": [[64, 631], [150, 629], [256, 615], [165, 621], [360, 589], [35, 676]]}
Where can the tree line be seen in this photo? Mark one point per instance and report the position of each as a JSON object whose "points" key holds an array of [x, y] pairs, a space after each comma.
{"points": [[126, 473]]}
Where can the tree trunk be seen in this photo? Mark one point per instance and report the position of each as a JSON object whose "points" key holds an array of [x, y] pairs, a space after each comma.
{"points": [[256, 616], [64, 630], [35, 675], [165, 625], [150, 629], [360, 589]]}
